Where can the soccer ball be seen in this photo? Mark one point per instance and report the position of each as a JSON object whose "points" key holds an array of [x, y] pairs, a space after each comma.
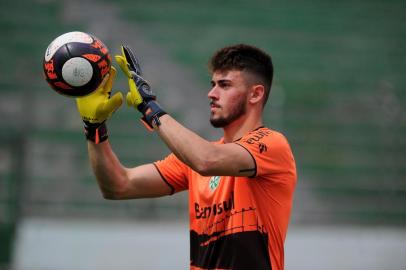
{"points": [[75, 64]]}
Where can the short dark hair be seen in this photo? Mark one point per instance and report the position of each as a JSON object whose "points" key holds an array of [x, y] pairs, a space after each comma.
{"points": [[244, 58]]}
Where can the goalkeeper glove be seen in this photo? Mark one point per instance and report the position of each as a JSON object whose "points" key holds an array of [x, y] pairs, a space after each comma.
{"points": [[97, 107], [140, 94]]}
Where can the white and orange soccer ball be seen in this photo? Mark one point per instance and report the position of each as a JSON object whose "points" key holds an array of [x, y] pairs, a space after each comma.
{"points": [[75, 64]]}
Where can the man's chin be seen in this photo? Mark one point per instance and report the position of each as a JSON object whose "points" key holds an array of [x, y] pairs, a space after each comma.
{"points": [[219, 122]]}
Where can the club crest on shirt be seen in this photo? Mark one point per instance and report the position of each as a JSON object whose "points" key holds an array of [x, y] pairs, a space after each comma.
{"points": [[214, 182]]}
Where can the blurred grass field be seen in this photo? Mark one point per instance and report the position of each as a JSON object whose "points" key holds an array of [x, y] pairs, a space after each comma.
{"points": [[338, 95]]}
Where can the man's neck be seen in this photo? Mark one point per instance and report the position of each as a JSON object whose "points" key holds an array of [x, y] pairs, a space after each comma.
{"points": [[240, 127]]}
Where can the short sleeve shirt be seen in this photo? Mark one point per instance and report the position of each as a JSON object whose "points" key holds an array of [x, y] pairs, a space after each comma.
{"points": [[239, 222]]}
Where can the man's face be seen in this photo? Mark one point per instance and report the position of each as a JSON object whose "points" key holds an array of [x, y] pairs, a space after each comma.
{"points": [[228, 97]]}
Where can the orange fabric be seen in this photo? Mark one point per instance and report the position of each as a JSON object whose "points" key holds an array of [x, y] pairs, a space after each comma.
{"points": [[146, 126], [224, 208], [96, 137]]}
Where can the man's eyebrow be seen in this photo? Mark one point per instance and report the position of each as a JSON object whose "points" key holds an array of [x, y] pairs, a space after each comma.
{"points": [[222, 81]]}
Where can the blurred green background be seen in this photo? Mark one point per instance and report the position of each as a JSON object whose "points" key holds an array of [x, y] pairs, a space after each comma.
{"points": [[338, 95]]}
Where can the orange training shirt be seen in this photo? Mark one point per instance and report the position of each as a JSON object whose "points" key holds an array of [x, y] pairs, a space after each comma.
{"points": [[239, 222]]}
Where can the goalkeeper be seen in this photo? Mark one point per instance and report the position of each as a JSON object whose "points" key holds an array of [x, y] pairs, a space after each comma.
{"points": [[240, 187]]}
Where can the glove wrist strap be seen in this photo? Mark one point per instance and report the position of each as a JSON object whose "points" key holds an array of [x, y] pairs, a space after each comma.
{"points": [[96, 133], [151, 111]]}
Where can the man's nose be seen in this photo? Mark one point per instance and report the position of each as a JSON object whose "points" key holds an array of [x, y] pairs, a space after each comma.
{"points": [[212, 93]]}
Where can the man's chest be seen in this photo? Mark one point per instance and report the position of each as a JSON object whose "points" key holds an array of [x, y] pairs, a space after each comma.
{"points": [[217, 200]]}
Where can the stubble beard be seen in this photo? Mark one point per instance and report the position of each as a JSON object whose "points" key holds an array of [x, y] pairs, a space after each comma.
{"points": [[237, 111]]}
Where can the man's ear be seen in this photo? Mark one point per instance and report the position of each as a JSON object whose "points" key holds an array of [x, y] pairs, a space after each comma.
{"points": [[257, 93]]}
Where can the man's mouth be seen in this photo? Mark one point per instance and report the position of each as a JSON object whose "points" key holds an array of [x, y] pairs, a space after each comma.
{"points": [[214, 105]]}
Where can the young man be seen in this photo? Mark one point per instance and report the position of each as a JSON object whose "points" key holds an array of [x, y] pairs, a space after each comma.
{"points": [[240, 187]]}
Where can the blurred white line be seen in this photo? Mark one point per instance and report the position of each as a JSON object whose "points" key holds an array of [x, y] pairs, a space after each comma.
{"points": [[66, 245], [77, 244], [337, 248]]}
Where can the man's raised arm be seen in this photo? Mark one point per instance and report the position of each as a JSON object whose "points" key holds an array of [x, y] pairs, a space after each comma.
{"points": [[115, 181], [199, 154]]}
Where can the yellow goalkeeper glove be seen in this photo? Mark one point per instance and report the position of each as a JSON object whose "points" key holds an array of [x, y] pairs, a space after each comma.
{"points": [[140, 95], [97, 107]]}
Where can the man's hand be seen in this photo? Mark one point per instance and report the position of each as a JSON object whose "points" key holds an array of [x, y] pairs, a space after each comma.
{"points": [[140, 94], [97, 107]]}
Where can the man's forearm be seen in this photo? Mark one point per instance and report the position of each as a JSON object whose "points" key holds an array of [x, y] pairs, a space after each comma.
{"points": [[189, 147], [110, 174]]}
